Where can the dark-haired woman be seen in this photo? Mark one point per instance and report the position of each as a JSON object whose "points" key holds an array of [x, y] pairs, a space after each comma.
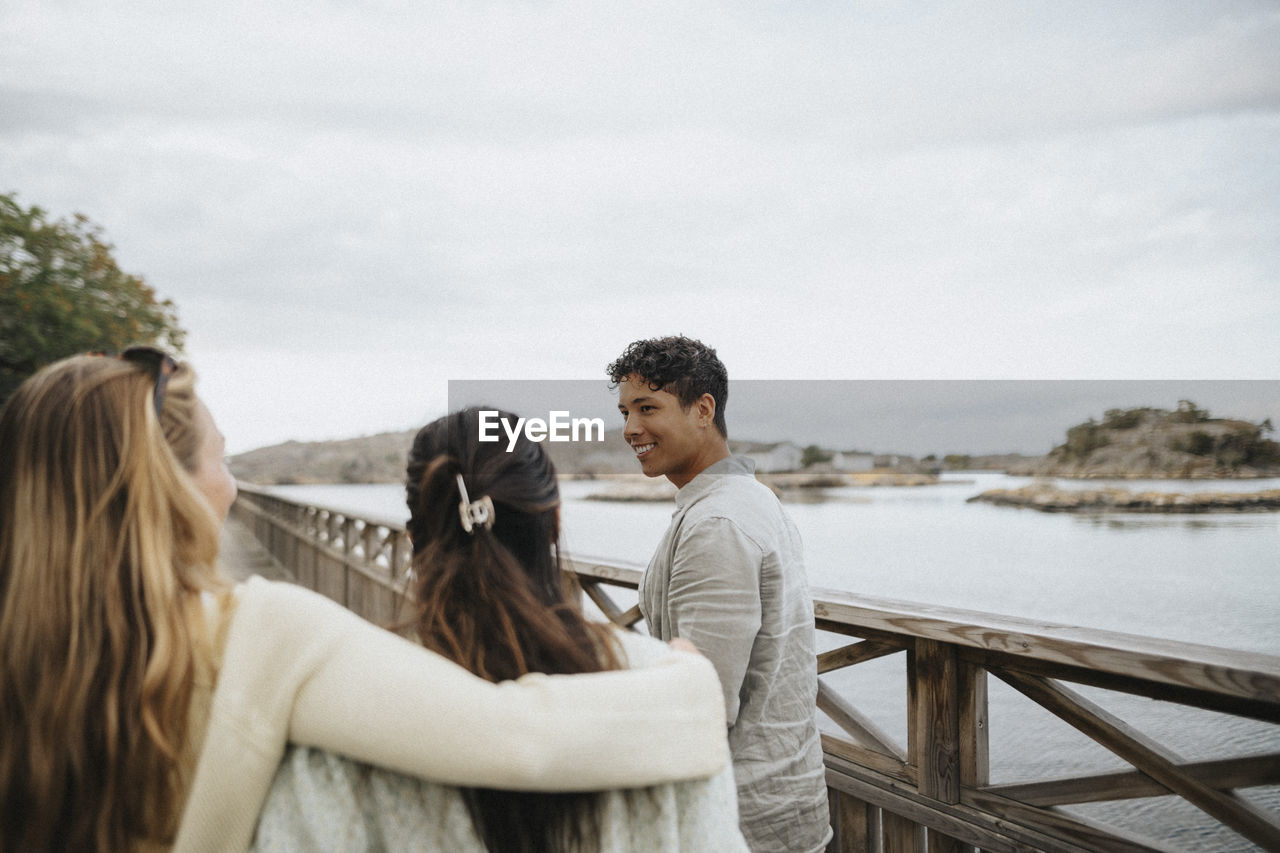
{"points": [[145, 701], [490, 596]]}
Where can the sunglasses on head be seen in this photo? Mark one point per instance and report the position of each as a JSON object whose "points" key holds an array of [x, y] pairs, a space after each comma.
{"points": [[161, 365]]}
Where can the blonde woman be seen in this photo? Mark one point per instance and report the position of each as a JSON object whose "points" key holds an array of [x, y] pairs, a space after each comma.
{"points": [[145, 702]]}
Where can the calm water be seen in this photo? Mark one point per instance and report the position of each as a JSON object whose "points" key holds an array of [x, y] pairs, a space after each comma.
{"points": [[1211, 579]]}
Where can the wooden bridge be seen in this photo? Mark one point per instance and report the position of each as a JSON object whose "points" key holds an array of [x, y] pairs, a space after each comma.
{"points": [[933, 792]]}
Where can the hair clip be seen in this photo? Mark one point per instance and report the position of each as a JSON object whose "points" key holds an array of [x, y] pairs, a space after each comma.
{"points": [[477, 514]]}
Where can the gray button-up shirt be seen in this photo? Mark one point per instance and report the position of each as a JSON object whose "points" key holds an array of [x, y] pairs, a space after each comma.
{"points": [[729, 577]]}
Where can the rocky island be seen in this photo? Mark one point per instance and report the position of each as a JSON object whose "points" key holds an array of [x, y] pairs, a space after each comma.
{"points": [[1151, 444], [369, 459], [1158, 444], [1048, 498]]}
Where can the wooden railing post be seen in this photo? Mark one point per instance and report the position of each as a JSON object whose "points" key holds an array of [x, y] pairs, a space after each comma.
{"points": [[936, 750], [348, 546], [856, 823], [400, 554], [975, 734], [901, 834]]}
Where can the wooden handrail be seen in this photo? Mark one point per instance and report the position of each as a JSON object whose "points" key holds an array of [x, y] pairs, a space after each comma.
{"points": [[934, 792]]}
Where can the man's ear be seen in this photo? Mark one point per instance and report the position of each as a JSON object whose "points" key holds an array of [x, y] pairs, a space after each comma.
{"points": [[706, 410]]}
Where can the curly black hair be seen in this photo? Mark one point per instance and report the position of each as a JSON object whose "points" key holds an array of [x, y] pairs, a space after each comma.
{"points": [[682, 366]]}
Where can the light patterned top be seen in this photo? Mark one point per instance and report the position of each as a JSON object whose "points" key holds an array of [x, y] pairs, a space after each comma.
{"points": [[322, 801]]}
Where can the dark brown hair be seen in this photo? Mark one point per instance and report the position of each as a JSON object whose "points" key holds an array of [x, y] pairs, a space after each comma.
{"points": [[681, 366], [494, 600]]}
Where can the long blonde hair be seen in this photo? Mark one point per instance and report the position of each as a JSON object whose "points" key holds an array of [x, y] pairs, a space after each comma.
{"points": [[105, 545]]}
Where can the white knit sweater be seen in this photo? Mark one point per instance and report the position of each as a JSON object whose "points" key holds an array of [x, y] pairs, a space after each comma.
{"points": [[299, 667]]}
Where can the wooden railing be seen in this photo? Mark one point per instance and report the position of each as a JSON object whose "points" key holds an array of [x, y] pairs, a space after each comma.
{"points": [[934, 792]]}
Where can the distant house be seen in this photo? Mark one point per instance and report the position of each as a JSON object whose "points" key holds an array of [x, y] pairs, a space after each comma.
{"points": [[770, 458], [851, 461]]}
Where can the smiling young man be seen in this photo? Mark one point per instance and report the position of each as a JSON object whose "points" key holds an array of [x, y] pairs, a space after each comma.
{"points": [[729, 577]]}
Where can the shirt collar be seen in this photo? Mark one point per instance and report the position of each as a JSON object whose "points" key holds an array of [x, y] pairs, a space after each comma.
{"points": [[709, 476]]}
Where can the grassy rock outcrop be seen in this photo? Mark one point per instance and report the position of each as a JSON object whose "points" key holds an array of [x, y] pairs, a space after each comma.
{"points": [[1149, 444], [1048, 498], [635, 489], [369, 459]]}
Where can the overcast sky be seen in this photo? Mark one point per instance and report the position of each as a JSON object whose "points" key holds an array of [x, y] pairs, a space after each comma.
{"points": [[353, 203]]}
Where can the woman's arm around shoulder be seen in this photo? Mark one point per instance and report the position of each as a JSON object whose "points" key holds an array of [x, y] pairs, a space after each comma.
{"points": [[301, 668]]}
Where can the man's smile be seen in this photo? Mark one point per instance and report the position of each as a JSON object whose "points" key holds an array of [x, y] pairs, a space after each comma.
{"points": [[642, 449]]}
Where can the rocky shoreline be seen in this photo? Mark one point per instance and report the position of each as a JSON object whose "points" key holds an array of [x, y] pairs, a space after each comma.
{"points": [[795, 486], [635, 489], [834, 480], [1049, 498]]}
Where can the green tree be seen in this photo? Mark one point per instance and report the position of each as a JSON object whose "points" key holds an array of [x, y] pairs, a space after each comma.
{"points": [[1124, 418], [1189, 413], [61, 293], [1198, 443], [812, 455], [1083, 439]]}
